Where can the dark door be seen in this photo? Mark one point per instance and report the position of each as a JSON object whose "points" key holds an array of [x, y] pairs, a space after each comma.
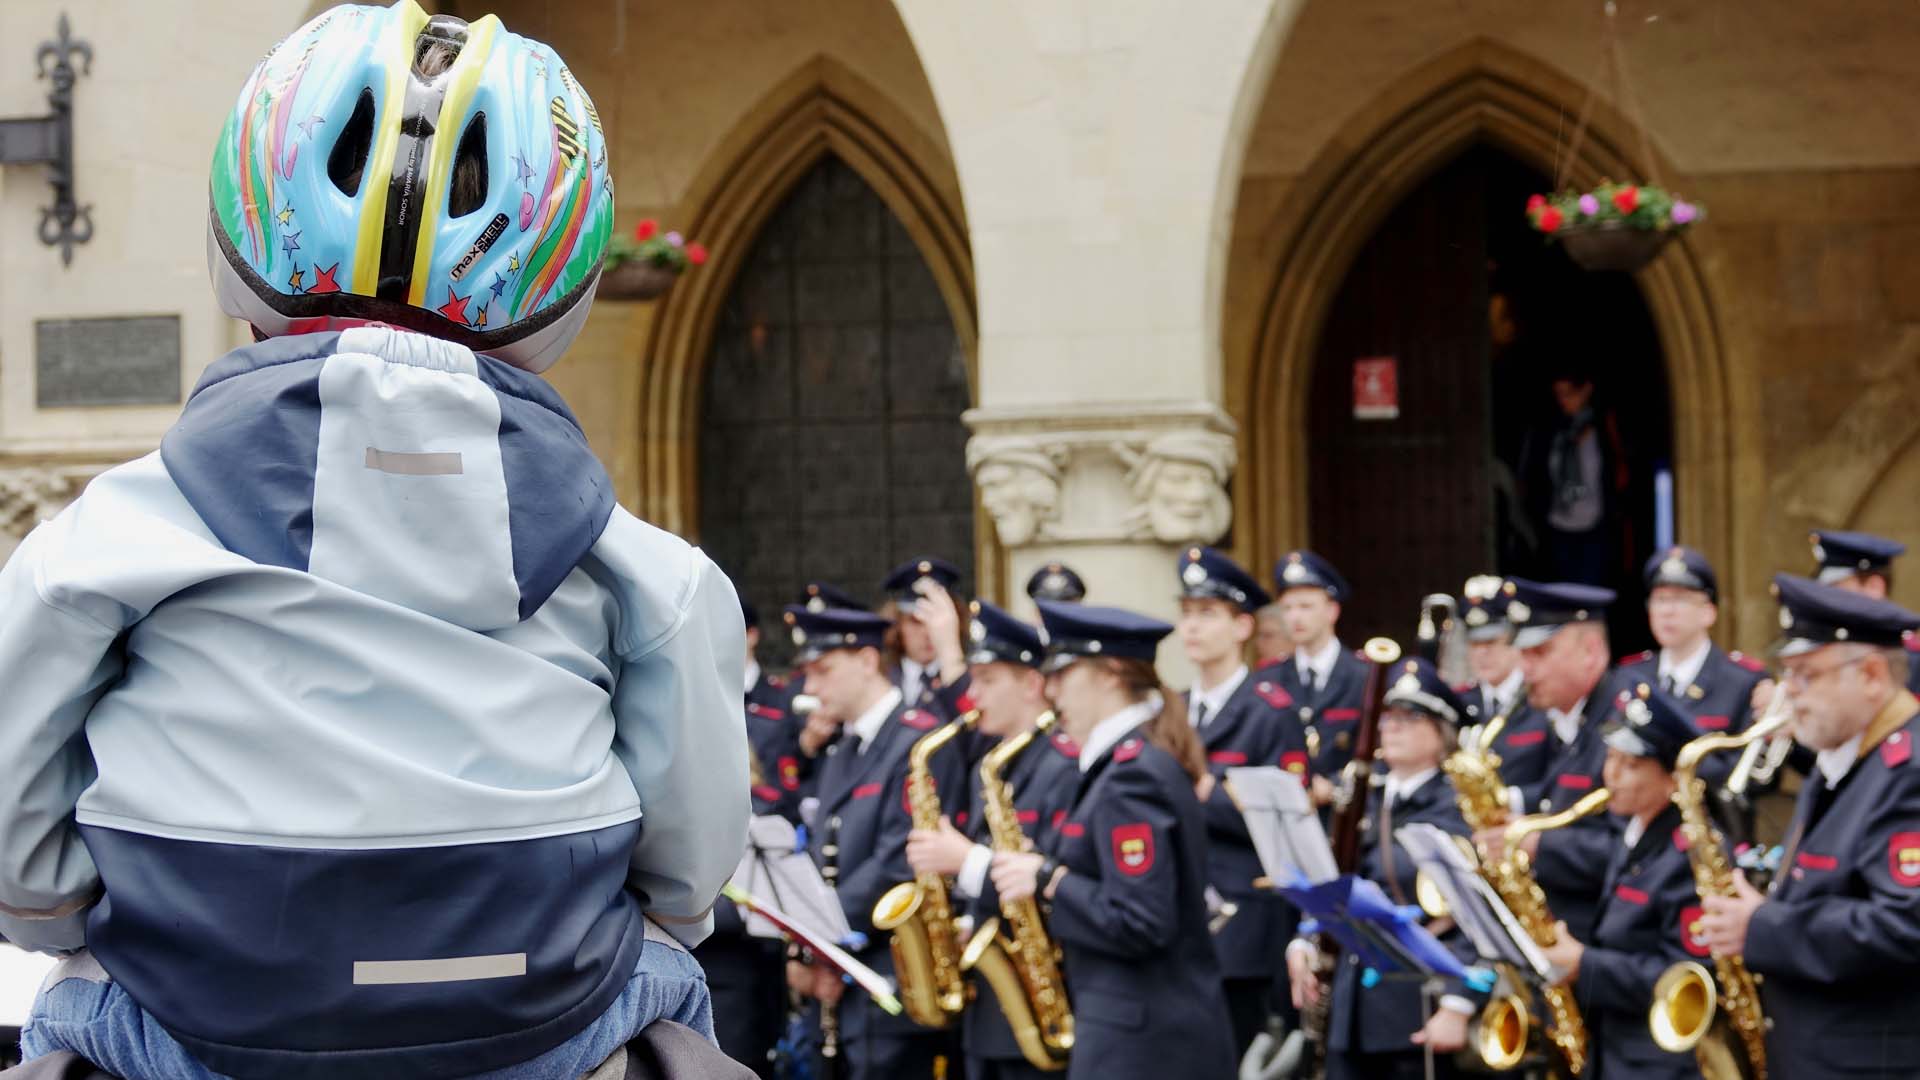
{"points": [[831, 441]]}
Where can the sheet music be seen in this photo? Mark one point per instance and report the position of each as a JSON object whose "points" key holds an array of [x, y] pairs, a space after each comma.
{"points": [[1282, 821], [1478, 910], [774, 869]]}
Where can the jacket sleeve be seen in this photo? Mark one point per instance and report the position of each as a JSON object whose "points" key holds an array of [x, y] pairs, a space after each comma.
{"points": [[1574, 859], [861, 887], [1620, 980], [679, 723], [1132, 908], [1832, 939], [58, 654]]}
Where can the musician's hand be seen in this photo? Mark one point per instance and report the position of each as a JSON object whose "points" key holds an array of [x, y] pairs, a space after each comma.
{"points": [[937, 612], [1761, 697], [1492, 844], [1445, 1032], [1725, 921], [818, 732], [1565, 953], [1322, 790], [800, 978], [1204, 788], [1301, 980], [828, 985], [1014, 872], [937, 851]]}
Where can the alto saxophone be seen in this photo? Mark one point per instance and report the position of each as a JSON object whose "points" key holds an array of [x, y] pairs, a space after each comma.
{"points": [[1512, 877], [926, 950], [1722, 1024], [1023, 971]]}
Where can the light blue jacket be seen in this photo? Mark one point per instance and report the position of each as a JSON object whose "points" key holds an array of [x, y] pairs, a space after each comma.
{"points": [[357, 726]]}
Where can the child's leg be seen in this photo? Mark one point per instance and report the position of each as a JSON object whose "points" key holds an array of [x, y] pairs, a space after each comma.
{"points": [[81, 1010]]}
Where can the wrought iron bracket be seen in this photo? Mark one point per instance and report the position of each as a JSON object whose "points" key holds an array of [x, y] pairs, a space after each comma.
{"points": [[48, 140]]}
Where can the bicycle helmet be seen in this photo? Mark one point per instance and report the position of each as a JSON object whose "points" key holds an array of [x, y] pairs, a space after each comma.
{"points": [[445, 177]]}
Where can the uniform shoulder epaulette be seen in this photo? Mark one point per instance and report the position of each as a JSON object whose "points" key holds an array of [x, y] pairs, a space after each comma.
{"points": [[1896, 749], [1636, 658], [1128, 750], [1272, 662], [1680, 841], [1273, 694], [919, 720], [778, 682], [1911, 640], [766, 712], [1461, 688], [1065, 744], [1751, 663]]}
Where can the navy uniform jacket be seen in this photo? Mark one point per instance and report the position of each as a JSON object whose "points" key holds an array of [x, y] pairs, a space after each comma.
{"points": [[1648, 921], [1524, 742], [1333, 711], [1131, 916], [863, 817], [1720, 699], [1838, 941], [1572, 861], [774, 733], [1382, 1019], [1258, 725], [1913, 664], [1043, 778]]}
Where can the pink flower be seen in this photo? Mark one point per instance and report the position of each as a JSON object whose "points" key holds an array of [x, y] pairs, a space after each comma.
{"points": [[1589, 205], [675, 239], [1684, 212]]}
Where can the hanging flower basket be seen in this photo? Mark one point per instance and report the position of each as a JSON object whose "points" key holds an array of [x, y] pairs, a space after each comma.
{"points": [[647, 265], [1614, 226]]}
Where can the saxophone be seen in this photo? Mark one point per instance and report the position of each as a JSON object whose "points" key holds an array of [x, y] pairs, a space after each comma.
{"points": [[1722, 1024], [1023, 971], [1512, 877], [926, 946]]}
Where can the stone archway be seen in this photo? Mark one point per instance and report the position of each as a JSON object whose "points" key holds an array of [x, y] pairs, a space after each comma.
{"points": [[821, 109], [1483, 92]]}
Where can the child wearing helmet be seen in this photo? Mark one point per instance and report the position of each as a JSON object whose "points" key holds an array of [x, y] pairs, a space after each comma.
{"points": [[359, 731]]}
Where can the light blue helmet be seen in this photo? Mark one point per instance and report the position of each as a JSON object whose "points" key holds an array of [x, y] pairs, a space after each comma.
{"points": [[363, 177]]}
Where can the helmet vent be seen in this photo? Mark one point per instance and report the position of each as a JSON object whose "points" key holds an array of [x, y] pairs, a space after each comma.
{"points": [[469, 191], [350, 151]]}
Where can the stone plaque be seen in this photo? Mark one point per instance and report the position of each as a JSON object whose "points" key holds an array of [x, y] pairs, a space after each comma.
{"points": [[132, 360]]}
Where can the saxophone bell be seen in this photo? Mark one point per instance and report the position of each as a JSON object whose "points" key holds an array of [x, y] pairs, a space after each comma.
{"points": [[919, 913]]}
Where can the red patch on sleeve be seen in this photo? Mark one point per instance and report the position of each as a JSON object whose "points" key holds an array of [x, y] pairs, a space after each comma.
{"points": [[766, 712], [1227, 757], [1711, 723], [1340, 716], [919, 721], [1631, 895], [1636, 658], [1896, 749], [1059, 818], [1525, 738], [1273, 694], [790, 773], [1127, 751], [1072, 828], [1751, 663], [1066, 745], [1574, 780], [1133, 848], [866, 791], [959, 817], [1693, 935], [1680, 841], [1294, 761], [766, 793], [1810, 861], [1903, 858], [778, 682], [1027, 817]]}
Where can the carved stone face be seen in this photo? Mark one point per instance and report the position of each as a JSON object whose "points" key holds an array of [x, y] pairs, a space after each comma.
{"points": [[1020, 498], [1185, 502]]}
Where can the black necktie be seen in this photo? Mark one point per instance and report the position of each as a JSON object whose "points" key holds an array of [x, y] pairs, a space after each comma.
{"points": [[1667, 683], [1200, 717]]}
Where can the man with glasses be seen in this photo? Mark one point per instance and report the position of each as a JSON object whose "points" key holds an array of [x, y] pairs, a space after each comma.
{"points": [[1837, 942]]}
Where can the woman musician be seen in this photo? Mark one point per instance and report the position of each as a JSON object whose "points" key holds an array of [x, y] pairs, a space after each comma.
{"points": [[1126, 880], [1649, 910], [1385, 1030]]}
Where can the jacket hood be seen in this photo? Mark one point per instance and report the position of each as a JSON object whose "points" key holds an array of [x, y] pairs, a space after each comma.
{"points": [[401, 466]]}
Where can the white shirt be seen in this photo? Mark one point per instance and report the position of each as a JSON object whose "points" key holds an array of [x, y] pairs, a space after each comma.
{"points": [[913, 679], [1110, 731], [870, 721], [1398, 789], [1214, 699], [1567, 724], [1500, 698], [1315, 669], [1633, 832], [1836, 763], [753, 674], [1684, 670]]}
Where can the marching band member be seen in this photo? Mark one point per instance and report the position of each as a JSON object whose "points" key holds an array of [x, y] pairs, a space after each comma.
{"points": [[1837, 943], [912, 647], [1498, 681], [1649, 907], [1008, 689], [1243, 718], [1127, 879], [1325, 679], [1384, 1031]]}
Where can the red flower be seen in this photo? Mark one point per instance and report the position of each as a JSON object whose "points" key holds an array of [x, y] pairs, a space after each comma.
{"points": [[645, 230], [1535, 202], [1626, 199], [1549, 220], [696, 254]]}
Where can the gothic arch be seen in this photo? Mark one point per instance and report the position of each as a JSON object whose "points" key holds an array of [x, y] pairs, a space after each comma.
{"points": [[1482, 92], [822, 108]]}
